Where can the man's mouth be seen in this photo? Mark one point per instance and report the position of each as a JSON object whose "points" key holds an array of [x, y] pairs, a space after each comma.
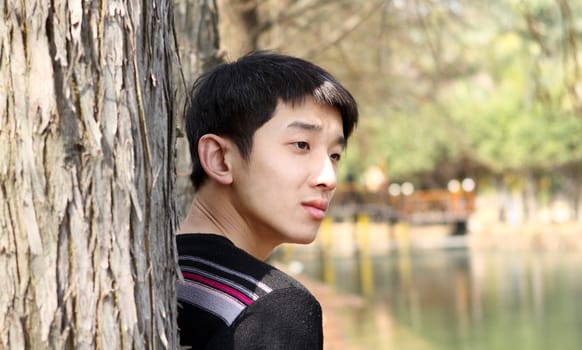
{"points": [[316, 208]]}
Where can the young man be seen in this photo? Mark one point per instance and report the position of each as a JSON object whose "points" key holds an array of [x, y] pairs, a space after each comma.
{"points": [[266, 134]]}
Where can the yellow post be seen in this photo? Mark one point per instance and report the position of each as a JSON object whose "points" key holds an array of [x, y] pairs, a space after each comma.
{"points": [[365, 260], [287, 252], [403, 236], [325, 230]]}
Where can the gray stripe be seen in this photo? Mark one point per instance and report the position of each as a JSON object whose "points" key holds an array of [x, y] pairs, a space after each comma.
{"points": [[240, 288], [259, 284], [219, 304]]}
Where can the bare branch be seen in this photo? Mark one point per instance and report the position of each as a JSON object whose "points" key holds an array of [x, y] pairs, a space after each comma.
{"points": [[349, 26]]}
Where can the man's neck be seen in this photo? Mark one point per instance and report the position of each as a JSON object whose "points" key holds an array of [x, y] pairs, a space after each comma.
{"points": [[212, 212]]}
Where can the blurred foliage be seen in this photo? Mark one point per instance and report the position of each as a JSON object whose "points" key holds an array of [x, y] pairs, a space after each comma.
{"points": [[446, 87]]}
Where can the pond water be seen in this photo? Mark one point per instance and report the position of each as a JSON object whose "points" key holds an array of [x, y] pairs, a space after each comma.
{"points": [[459, 299]]}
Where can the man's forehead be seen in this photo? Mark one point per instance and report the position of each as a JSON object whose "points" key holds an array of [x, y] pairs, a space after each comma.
{"points": [[307, 115]]}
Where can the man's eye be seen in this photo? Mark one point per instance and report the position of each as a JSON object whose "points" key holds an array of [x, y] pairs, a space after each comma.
{"points": [[336, 157], [302, 145]]}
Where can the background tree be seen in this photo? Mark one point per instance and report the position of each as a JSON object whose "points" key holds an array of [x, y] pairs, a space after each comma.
{"points": [[87, 175], [447, 88], [198, 50]]}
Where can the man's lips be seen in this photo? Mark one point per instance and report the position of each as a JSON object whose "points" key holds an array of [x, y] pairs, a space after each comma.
{"points": [[316, 208]]}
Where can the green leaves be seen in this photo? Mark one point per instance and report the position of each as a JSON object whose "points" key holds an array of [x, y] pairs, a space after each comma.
{"points": [[494, 86]]}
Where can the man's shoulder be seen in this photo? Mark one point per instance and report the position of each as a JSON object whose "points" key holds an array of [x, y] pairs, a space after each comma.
{"points": [[217, 257], [230, 289], [287, 318]]}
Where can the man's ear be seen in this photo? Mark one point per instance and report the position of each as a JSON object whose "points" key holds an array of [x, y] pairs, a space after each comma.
{"points": [[214, 153]]}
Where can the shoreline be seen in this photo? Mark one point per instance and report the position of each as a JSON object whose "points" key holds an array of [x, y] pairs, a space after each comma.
{"points": [[380, 238]]}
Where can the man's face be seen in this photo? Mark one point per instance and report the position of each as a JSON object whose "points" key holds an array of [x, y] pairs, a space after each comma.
{"points": [[284, 189]]}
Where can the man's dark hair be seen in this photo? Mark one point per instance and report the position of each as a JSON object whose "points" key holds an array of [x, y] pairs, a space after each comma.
{"points": [[234, 99]]}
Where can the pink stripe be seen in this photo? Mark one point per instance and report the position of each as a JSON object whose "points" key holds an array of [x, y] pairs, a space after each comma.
{"points": [[228, 290]]}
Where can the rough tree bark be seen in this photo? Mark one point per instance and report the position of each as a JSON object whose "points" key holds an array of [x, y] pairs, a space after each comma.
{"points": [[87, 213], [196, 24]]}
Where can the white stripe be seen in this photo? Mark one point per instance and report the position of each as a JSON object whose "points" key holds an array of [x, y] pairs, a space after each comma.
{"points": [[220, 304], [239, 287], [259, 284]]}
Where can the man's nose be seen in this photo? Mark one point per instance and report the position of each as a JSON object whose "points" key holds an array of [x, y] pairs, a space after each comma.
{"points": [[327, 174]]}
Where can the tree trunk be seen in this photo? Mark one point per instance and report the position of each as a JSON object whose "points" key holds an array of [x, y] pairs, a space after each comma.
{"points": [[196, 24], [239, 26], [87, 253], [530, 196]]}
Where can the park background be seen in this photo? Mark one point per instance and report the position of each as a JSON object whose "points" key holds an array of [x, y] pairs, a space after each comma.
{"points": [[457, 221]]}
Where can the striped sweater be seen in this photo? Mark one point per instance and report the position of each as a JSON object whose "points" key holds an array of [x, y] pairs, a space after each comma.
{"points": [[228, 299]]}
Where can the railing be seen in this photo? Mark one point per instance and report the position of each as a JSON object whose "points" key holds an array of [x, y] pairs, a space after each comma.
{"points": [[419, 207]]}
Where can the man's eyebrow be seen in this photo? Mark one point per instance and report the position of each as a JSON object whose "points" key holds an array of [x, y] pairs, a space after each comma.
{"points": [[304, 125], [341, 140]]}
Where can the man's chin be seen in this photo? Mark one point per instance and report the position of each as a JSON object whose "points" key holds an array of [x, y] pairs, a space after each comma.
{"points": [[305, 239]]}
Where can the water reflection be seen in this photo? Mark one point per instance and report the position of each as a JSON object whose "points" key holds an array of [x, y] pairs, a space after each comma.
{"points": [[459, 299]]}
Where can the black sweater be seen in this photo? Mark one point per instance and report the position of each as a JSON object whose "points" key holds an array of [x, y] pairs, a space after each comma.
{"points": [[231, 300]]}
